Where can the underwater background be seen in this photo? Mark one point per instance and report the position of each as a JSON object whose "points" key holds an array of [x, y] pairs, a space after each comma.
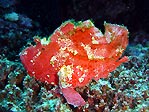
{"points": [[125, 90]]}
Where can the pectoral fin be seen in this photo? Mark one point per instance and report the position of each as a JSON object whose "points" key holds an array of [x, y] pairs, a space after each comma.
{"points": [[73, 97]]}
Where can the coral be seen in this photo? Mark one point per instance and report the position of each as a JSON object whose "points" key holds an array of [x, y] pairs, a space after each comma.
{"points": [[7, 3], [6, 74], [19, 92], [12, 34], [75, 54], [25, 21], [13, 16], [11, 85]]}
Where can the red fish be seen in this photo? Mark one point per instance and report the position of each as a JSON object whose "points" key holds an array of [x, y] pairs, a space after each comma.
{"points": [[75, 54]]}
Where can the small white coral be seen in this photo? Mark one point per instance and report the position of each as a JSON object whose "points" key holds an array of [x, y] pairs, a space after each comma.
{"points": [[13, 16]]}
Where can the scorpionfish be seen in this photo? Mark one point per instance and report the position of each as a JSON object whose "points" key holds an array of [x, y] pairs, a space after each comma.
{"points": [[74, 54]]}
